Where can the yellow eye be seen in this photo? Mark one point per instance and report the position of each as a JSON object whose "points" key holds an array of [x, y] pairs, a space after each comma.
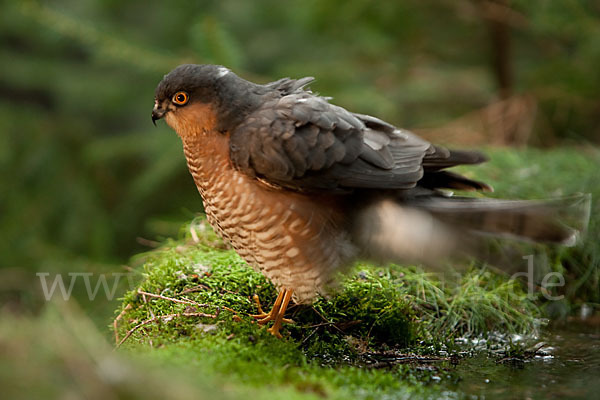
{"points": [[180, 98]]}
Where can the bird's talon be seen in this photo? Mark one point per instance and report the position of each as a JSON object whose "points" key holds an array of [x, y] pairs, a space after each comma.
{"points": [[276, 314], [260, 310], [275, 332], [264, 320]]}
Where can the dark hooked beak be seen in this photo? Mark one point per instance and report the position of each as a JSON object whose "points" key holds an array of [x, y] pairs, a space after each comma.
{"points": [[157, 113]]}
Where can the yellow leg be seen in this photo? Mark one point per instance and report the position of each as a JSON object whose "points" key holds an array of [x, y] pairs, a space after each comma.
{"points": [[262, 316], [277, 312], [274, 330]]}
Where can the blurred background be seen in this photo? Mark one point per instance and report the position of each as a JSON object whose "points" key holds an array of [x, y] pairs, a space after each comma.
{"points": [[88, 182]]}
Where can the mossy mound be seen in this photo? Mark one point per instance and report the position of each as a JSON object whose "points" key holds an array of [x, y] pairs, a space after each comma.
{"points": [[389, 305], [194, 302], [187, 277]]}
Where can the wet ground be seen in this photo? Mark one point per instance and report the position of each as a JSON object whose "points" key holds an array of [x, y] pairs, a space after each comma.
{"points": [[567, 365]]}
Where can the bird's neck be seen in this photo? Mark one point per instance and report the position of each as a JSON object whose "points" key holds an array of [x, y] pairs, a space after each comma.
{"points": [[207, 156]]}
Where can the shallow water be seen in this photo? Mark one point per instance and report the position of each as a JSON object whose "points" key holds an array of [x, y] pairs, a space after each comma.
{"points": [[568, 367]]}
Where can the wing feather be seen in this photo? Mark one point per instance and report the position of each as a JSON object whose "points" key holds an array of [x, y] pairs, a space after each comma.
{"points": [[300, 141]]}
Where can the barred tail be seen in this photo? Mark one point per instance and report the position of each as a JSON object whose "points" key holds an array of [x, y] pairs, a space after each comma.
{"points": [[559, 220], [428, 228]]}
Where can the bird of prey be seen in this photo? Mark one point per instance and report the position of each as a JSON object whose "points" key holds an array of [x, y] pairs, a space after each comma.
{"points": [[301, 187]]}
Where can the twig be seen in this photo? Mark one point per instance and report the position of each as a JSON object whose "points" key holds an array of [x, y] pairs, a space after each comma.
{"points": [[135, 328], [310, 335], [184, 301], [321, 324], [325, 319], [164, 317], [116, 321], [167, 317], [532, 353], [158, 296]]}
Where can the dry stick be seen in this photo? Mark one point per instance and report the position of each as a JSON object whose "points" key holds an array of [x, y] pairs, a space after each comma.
{"points": [[116, 321], [325, 319], [155, 318], [169, 316], [186, 301], [135, 328]]}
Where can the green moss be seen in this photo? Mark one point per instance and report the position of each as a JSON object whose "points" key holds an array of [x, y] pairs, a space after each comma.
{"points": [[375, 310], [379, 305]]}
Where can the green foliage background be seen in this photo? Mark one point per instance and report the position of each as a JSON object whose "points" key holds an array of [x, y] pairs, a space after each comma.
{"points": [[84, 173]]}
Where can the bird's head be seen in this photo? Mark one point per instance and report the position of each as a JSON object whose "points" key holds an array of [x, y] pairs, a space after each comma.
{"points": [[201, 98]]}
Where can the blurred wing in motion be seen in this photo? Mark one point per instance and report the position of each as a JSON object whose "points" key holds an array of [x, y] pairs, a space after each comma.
{"points": [[428, 228]]}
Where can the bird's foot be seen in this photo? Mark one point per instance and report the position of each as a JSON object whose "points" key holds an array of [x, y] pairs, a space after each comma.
{"points": [[277, 312]]}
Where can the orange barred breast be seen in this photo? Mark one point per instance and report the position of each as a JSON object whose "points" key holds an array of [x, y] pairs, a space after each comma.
{"points": [[295, 240]]}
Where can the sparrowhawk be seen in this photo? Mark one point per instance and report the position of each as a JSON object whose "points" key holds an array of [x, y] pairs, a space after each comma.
{"points": [[301, 187]]}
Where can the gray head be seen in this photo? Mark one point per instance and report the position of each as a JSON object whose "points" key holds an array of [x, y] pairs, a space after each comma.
{"points": [[192, 85]]}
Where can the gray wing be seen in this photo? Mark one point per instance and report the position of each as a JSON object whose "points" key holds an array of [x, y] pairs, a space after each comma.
{"points": [[300, 141]]}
